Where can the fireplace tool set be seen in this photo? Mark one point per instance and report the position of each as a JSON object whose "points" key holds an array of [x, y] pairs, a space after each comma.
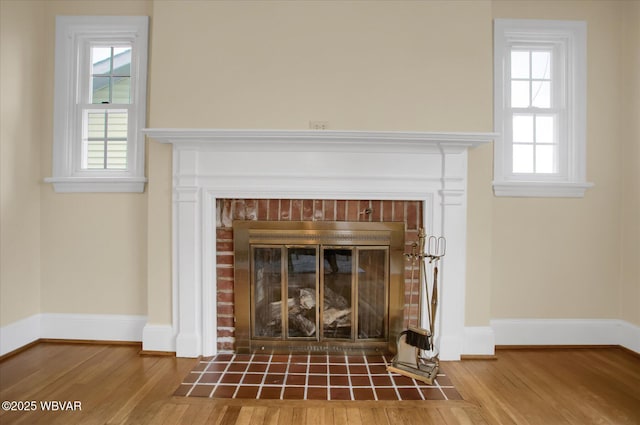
{"points": [[417, 354]]}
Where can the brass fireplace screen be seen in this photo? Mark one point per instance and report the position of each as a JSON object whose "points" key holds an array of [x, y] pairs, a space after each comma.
{"points": [[318, 286]]}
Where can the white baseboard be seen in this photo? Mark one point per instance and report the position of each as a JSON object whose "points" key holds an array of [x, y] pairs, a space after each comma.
{"points": [[629, 336], [20, 333], [96, 327], [478, 340], [566, 332], [158, 338], [101, 327]]}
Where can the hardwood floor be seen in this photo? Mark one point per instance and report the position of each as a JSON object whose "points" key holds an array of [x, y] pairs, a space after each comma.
{"points": [[115, 385]]}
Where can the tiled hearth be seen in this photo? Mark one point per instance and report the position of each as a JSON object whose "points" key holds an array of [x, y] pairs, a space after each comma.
{"points": [[308, 377]]}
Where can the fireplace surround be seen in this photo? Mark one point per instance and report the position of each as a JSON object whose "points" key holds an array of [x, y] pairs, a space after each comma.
{"points": [[279, 164]]}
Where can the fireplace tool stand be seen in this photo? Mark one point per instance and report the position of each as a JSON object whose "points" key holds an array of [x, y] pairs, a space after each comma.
{"points": [[417, 355]]}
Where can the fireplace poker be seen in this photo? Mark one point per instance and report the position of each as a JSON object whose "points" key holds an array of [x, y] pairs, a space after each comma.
{"points": [[411, 343]]}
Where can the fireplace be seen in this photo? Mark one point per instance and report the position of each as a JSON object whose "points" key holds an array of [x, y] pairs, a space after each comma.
{"points": [[212, 164], [318, 286]]}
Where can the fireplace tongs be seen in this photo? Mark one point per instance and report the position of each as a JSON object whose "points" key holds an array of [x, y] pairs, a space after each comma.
{"points": [[417, 355]]}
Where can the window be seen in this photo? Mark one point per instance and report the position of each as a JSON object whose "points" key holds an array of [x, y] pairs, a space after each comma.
{"points": [[540, 108], [100, 103]]}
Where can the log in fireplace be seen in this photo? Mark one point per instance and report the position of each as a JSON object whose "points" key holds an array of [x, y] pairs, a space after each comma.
{"points": [[318, 286]]}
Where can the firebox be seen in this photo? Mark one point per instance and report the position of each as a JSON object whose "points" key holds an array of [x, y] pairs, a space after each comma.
{"points": [[318, 286]]}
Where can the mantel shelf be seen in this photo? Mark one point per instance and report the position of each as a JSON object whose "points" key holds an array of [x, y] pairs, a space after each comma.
{"points": [[324, 140]]}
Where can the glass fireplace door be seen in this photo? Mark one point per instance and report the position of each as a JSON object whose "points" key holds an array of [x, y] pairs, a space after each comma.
{"points": [[266, 292], [333, 294], [302, 290]]}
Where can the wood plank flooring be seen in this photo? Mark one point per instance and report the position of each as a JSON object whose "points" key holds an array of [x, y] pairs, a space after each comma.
{"points": [[117, 386]]}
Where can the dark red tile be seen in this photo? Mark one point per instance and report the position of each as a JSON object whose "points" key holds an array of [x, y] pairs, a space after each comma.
{"points": [[216, 367], [280, 358], [223, 357], [316, 393], [432, 394], [317, 368], [298, 358], [339, 380], [318, 380], [210, 378], [191, 378], [337, 369], [377, 359], [363, 394], [409, 393], [381, 381], [224, 391], [403, 381], [452, 394], [444, 381], [340, 394], [252, 378], [337, 359], [358, 370], [296, 380], [201, 391], [247, 391], [386, 394], [356, 360], [231, 378], [182, 390], [274, 379], [317, 359], [242, 358], [360, 380], [257, 367], [293, 393], [298, 368], [270, 393], [377, 369], [237, 367], [278, 368], [261, 358], [200, 367]]}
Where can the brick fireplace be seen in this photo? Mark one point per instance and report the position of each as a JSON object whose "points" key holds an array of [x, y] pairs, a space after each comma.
{"points": [[409, 213], [300, 170]]}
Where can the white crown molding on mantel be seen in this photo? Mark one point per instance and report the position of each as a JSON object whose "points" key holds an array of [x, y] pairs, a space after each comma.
{"points": [[312, 164], [312, 140]]}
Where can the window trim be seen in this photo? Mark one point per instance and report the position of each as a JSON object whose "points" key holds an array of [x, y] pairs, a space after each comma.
{"points": [[570, 37], [72, 35]]}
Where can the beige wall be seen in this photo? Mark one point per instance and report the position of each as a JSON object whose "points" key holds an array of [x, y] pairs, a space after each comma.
{"points": [[560, 258], [21, 133], [630, 208], [94, 245], [424, 66], [60, 253], [358, 65]]}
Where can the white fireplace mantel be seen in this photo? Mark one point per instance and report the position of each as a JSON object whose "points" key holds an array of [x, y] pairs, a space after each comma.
{"points": [[311, 164]]}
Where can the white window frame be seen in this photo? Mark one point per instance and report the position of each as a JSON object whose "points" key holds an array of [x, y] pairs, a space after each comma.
{"points": [[74, 34], [568, 41]]}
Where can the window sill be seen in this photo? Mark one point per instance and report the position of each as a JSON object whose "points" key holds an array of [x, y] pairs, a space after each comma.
{"points": [[530, 189], [97, 184]]}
